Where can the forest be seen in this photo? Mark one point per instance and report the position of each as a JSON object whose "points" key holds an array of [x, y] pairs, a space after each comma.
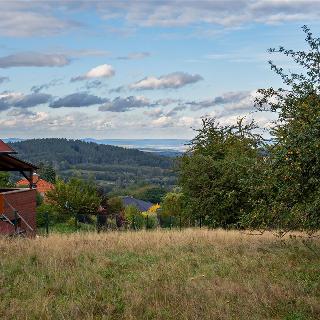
{"points": [[110, 166]]}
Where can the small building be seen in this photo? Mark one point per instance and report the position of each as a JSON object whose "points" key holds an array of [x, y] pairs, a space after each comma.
{"points": [[139, 204], [41, 185], [17, 205]]}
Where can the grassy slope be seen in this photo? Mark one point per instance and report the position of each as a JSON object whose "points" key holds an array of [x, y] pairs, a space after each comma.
{"points": [[193, 274]]}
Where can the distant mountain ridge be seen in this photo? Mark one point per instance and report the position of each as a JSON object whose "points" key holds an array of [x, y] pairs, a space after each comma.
{"points": [[110, 165], [8, 140], [166, 147]]}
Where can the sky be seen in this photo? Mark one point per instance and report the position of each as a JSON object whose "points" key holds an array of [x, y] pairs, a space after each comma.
{"points": [[140, 69]]}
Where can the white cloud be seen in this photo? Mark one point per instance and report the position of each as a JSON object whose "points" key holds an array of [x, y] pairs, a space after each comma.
{"points": [[102, 71], [134, 56], [30, 18], [172, 13], [24, 120], [168, 121], [158, 112], [77, 100], [154, 113], [227, 102], [125, 104], [43, 122], [34, 59], [162, 121], [20, 100], [170, 81], [23, 19]]}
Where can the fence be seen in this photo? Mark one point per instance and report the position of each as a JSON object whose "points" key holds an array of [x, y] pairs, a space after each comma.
{"points": [[106, 223]]}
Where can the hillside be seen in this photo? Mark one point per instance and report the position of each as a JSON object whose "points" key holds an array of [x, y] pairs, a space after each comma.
{"points": [[189, 274], [110, 165]]}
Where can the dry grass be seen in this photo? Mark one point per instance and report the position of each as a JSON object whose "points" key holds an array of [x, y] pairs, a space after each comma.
{"points": [[193, 274]]}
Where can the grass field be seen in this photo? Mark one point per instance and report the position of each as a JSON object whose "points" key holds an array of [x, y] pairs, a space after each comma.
{"points": [[193, 274]]}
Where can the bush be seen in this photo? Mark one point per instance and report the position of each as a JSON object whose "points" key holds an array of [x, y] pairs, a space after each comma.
{"points": [[53, 216], [216, 173], [134, 218], [5, 180], [115, 205], [75, 197], [150, 220]]}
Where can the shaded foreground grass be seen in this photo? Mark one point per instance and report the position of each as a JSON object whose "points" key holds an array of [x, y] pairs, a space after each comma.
{"points": [[193, 274]]}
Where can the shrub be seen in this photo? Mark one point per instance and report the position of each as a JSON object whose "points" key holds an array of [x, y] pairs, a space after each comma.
{"points": [[134, 217], [53, 216], [74, 197]]}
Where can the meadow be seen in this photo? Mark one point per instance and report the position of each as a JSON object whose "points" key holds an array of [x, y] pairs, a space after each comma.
{"points": [[160, 274]]}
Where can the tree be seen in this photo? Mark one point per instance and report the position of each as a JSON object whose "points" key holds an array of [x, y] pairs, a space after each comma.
{"points": [[172, 210], [115, 205], [5, 180], [151, 193], [74, 197], [172, 204], [294, 167], [47, 172], [134, 217], [215, 172]]}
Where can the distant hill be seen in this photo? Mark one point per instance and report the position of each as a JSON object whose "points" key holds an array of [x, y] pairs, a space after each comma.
{"points": [[111, 166], [8, 140], [163, 147]]}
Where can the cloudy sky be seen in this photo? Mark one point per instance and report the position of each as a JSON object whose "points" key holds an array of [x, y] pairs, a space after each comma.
{"points": [[139, 69]]}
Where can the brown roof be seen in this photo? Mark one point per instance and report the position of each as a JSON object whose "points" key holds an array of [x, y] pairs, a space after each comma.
{"points": [[4, 148], [11, 163], [42, 186]]}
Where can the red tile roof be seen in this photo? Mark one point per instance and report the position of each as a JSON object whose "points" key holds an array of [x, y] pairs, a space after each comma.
{"points": [[4, 148], [43, 186]]}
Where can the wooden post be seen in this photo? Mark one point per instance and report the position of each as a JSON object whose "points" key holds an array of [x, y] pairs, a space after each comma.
{"points": [[98, 224], [30, 179], [47, 222], [76, 221], [133, 223], [15, 221], [1, 204]]}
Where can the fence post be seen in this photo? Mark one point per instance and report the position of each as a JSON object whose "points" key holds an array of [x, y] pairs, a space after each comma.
{"points": [[98, 224], [180, 222], [170, 220], [15, 221], [147, 224], [200, 222], [47, 222], [76, 221], [133, 223]]}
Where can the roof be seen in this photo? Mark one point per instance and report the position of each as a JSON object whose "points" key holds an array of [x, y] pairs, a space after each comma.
{"points": [[42, 185], [4, 148], [140, 204], [11, 163]]}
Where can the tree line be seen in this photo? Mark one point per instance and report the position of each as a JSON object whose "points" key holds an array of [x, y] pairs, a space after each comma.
{"points": [[233, 178], [112, 167]]}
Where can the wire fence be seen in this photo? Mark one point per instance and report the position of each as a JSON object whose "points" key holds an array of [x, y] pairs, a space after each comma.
{"points": [[104, 223]]}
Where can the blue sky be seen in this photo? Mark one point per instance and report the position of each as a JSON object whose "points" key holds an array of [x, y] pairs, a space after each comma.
{"points": [[139, 69]]}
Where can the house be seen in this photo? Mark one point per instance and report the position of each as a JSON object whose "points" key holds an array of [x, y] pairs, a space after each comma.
{"points": [[41, 185], [139, 204], [17, 205]]}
